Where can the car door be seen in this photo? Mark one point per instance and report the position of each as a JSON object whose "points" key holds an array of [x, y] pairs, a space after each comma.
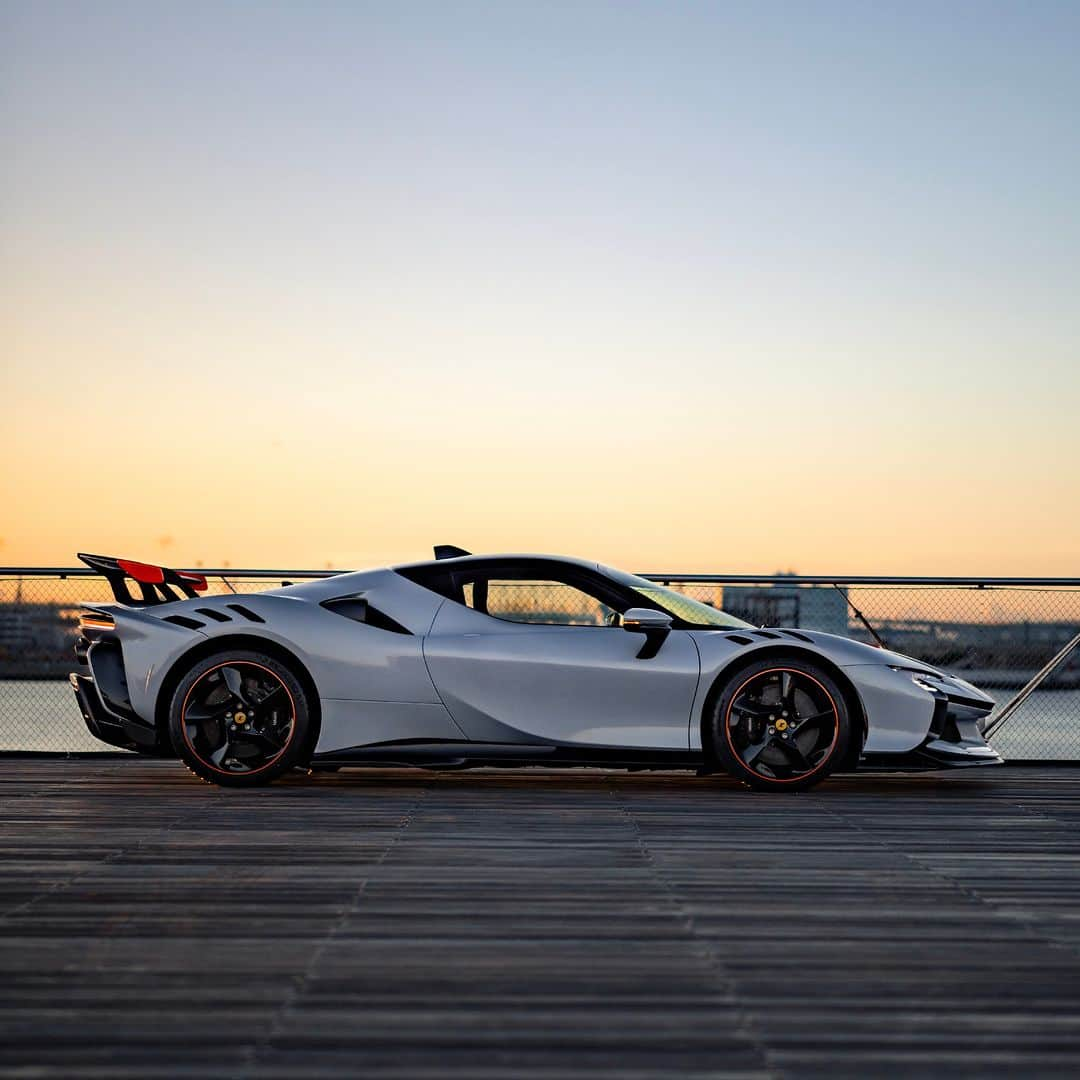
{"points": [[528, 655]]}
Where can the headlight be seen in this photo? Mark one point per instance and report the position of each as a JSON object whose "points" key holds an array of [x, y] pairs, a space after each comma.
{"points": [[925, 680], [959, 692]]}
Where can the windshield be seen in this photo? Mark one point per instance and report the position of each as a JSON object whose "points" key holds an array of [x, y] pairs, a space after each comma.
{"points": [[675, 603]]}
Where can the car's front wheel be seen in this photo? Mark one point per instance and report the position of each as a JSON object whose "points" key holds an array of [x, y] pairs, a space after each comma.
{"points": [[240, 718], [781, 724]]}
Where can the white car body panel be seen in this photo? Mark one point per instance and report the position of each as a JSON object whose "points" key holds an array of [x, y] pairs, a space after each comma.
{"points": [[901, 711], [350, 723], [450, 673], [515, 682]]}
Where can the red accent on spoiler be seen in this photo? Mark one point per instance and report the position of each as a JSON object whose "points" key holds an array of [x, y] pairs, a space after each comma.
{"points": [[197, 581], [143, 572]]}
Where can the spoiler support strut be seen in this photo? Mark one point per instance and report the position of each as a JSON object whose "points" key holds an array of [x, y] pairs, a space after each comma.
{"points": [[157, 584]]}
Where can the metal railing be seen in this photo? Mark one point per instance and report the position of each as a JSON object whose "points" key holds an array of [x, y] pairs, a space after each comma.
{"points": [[1009, 635]]}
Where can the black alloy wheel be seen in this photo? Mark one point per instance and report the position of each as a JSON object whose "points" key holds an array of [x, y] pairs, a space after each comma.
{"points": [[240, 719], [781, 725]]}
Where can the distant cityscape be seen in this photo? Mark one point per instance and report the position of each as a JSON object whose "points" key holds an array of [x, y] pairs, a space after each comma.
{"points": [[36, 639]]}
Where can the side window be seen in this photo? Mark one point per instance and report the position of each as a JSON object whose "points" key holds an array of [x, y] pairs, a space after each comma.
{"points": [[539, 601]]}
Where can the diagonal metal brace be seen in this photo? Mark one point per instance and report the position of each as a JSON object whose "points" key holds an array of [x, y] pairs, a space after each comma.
{"points": [[1007, 713]]}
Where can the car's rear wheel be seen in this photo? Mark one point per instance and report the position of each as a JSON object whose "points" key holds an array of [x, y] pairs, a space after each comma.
{"points": [[240, 718], [781, 724]]}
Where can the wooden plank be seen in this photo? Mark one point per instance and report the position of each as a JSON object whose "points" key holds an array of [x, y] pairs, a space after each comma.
{"points": [[536, 924]]}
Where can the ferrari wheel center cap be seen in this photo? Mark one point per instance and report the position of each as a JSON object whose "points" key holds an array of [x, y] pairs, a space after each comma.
{"points": [[240, 718], [781, 725]]}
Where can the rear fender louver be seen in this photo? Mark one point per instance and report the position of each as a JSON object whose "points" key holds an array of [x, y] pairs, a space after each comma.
{"points": [[247, 613], [739, 639], [210, 613], [184, 621]]}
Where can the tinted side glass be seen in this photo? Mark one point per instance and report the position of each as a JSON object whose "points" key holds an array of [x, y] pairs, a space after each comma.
{"points": [[545, 602]]}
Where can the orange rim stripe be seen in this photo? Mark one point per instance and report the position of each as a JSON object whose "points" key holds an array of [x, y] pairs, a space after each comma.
{"points": [[183, 718], [832, 745]]}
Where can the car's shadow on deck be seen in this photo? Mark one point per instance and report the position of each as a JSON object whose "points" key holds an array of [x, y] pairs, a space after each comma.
{"points": [[650, 782]]}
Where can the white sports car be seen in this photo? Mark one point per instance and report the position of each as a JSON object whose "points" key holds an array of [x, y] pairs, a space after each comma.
{"points": [[506, 660]]}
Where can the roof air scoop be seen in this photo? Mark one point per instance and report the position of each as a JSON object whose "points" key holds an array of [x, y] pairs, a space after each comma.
{"points": [[448, 551]]}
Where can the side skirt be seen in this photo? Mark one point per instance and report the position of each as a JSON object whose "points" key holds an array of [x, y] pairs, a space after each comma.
{"points": [[471, 755], [923, 760]]}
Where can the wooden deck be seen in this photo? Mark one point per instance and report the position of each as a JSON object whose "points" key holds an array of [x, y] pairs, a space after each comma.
{"points": [[536, 924]]}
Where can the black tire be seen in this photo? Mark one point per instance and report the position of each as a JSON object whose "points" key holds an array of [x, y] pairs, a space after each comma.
{"points": [[241, 718], [781, 724]]}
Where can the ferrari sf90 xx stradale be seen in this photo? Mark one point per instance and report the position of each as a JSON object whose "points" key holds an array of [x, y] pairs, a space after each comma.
{"points": [[507, 660]]}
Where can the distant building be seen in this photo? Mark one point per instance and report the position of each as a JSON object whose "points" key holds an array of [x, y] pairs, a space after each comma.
{"points": [[36, 639], [810, 607]]}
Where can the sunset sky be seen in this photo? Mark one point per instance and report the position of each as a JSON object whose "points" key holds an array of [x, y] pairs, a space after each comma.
{"points": [[716, 287]]}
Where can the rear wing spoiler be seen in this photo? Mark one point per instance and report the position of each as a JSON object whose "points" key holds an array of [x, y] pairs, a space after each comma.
{"points": [[157, 584]]}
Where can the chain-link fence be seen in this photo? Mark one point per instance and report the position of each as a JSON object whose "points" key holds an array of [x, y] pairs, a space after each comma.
{"points": [[39, 617], [993, 634]]}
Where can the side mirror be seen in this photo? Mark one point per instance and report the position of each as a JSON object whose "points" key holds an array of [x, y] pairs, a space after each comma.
{"points": [[655, 625], [641, 619]]}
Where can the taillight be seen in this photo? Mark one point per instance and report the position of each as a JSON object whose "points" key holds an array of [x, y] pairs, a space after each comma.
{"points": [[96, 620]]}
